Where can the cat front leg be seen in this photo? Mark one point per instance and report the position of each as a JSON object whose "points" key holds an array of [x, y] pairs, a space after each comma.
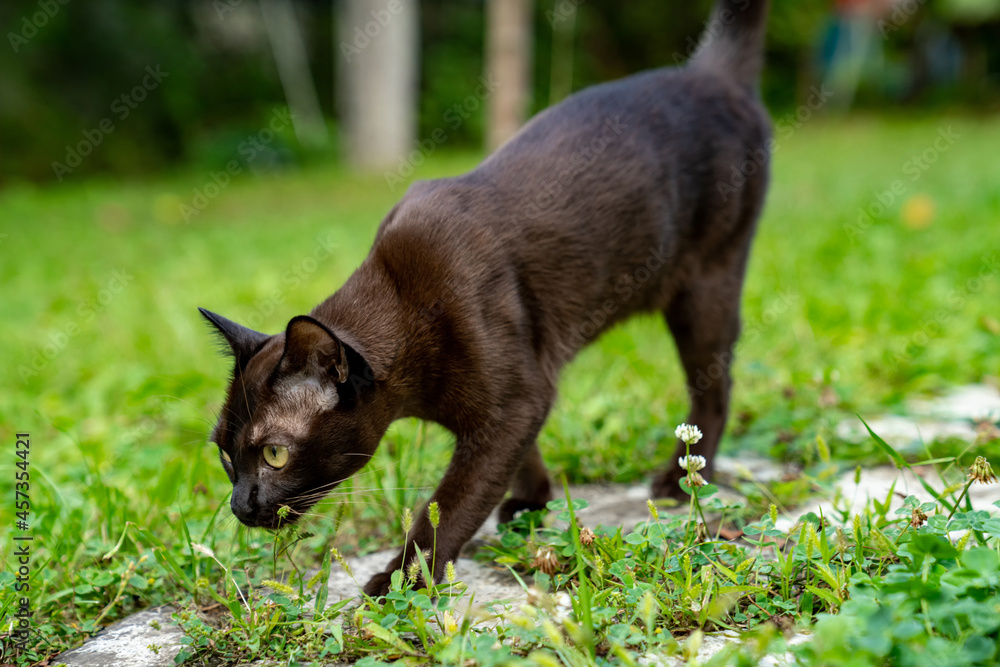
{"points": [[482, 468]]}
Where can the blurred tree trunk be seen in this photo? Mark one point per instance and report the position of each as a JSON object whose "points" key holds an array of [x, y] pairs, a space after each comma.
{"points": [[509, 45], [293, 70], [377, 68]]}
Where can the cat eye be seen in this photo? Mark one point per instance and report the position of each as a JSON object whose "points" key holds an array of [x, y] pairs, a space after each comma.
{"points": [[276, 455], [225, 457]]}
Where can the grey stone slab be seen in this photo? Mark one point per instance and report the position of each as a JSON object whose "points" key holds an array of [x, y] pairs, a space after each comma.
{"points": [[612, 505], [906, 433], [750, 469], [972, 402], [125, 643], [489, 584], [876, 483], [930, 418], [715, 642]]}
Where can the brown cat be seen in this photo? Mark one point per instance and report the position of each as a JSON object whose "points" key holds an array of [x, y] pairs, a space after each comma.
{"points": [[628, 197]]}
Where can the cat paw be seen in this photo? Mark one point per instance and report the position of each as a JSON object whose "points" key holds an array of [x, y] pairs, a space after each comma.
{"points": [[378, 586], [512, 506]]}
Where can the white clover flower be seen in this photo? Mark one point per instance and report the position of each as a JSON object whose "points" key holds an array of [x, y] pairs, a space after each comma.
{"points": [[695, 480], [692, 463], [688, 433]]}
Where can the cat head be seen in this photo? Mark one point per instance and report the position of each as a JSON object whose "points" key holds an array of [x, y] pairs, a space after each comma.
{"points": [[297, 418]]}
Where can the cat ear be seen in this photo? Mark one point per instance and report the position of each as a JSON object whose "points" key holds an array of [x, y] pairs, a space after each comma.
{"points": [[243, 341], [313, 350]]}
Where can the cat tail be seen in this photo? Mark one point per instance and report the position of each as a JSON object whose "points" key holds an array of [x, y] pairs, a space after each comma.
{"points": [[733, 41]]}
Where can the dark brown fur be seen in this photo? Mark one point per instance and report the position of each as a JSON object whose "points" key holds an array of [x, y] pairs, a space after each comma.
{"points": [[480, 288]]}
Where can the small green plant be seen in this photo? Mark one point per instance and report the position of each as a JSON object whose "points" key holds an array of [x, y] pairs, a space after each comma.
{"points": [[666, 580]]}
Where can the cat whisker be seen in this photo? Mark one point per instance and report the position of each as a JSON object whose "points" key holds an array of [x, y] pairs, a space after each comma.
{"points": [[246, 399], [372, 500], [341, 493], [309, 514], [333, 494], [204, 434], [328, 485], [381, 489], [230, 412]]}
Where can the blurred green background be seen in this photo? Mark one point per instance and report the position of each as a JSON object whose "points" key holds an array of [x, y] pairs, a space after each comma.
{"points": [[874, 277], [63, 65]]}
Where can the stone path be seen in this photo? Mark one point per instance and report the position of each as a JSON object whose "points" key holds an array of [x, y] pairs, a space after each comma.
{"points": [[877, 483], [954, 415], [951, 416], [126, 643]]}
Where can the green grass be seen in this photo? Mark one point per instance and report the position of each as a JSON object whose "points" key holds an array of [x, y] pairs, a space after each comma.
{"points": [[116, 378]]}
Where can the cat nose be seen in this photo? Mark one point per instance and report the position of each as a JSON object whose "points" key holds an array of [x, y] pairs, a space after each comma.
{"points": [[244, 504]]}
